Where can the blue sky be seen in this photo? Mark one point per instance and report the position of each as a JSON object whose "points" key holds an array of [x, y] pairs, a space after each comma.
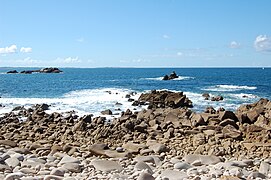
{"points": [[135, 33]]}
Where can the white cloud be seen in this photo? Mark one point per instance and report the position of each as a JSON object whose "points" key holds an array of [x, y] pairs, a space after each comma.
{"points": [[235, 45], [28, 61], [68, 60], [263, 43], [8, 50], [81, 39], [165, 36], [179, 53], [26, 49]]}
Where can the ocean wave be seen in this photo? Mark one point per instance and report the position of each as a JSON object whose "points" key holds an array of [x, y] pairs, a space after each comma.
{"points": [[88, 101], [243, 96], [228, 88], [176, 79]]}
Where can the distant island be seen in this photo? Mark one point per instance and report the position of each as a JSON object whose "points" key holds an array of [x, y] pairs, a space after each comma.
{"points": [[43, 70]]}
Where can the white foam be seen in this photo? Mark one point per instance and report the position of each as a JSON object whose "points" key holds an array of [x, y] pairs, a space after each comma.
{"points": [[88, 101], [243, 96], [229, 88], [176, 79]]}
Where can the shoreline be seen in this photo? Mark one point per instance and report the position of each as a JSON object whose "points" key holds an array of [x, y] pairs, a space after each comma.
{"points": [[164, 140]]}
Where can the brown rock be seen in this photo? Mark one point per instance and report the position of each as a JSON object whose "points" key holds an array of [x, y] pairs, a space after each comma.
{"points": [[197, 119], [227, 115], [198, 139], [230, 131], [8, 143], [98, 149], [229, 121], [134, 147], [107, 112]]}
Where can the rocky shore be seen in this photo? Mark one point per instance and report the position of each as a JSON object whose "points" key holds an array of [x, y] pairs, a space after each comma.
{"points": [[166, 140]]}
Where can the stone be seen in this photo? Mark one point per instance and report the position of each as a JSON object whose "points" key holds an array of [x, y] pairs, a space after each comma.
{"points": [[20, 150], [139, 166], [52, 177], [227, 115], [13, 176], [149, 159], [72, 167], [203, 159], [230, 131], [253, 114], [31, 163], [225, 122], [197, 120], [12, 162], [4, 167], [173, 175], [254, 175], [199, 139], [27, 170], [98, 149], [134, 147], [120, 149], [182, 165], [229, 178], [68, 159], [115, 154], [107, 112], [8, 143], [145, 176], [57, 172], [264, 168], [106, 165], [158, 148]]}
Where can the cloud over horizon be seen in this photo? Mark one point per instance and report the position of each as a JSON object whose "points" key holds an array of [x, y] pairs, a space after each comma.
{"points": [[263, 43], [235, 45], [26, 49], [68, 60], [8, 50]]}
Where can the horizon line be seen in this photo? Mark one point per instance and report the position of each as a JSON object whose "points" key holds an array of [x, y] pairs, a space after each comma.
{"points": [[136, 67]]}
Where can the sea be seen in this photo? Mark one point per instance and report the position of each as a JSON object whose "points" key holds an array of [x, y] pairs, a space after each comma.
{"points": [[92, 90]]}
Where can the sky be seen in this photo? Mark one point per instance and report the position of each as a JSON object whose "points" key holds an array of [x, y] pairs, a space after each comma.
{"points": [[135, 33]]}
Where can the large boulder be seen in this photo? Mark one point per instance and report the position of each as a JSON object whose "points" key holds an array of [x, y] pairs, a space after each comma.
{"points": [[163, 99], [249, 113]]}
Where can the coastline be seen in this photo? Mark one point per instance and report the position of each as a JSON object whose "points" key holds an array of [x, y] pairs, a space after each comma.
{"points": [[154, 142]]}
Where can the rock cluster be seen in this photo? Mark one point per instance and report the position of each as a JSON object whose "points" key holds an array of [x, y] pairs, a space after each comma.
{"points": [[213, 98], [173, 75], [165, 99], [161, 142], [44, 70]]}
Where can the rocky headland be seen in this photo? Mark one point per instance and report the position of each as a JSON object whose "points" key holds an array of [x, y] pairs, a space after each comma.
{"points": [[167, 140]]}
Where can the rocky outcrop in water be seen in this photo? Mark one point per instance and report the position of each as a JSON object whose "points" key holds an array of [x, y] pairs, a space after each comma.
{"points": [[12, 72], [164, 99], [44, 70], [173, 75]]}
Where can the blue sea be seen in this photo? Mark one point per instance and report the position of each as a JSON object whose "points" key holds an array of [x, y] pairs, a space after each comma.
{"points": [[91, 90]]}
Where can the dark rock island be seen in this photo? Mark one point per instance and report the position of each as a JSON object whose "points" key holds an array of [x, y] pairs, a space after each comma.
{"points": [[173, 75], [43, 70]]}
